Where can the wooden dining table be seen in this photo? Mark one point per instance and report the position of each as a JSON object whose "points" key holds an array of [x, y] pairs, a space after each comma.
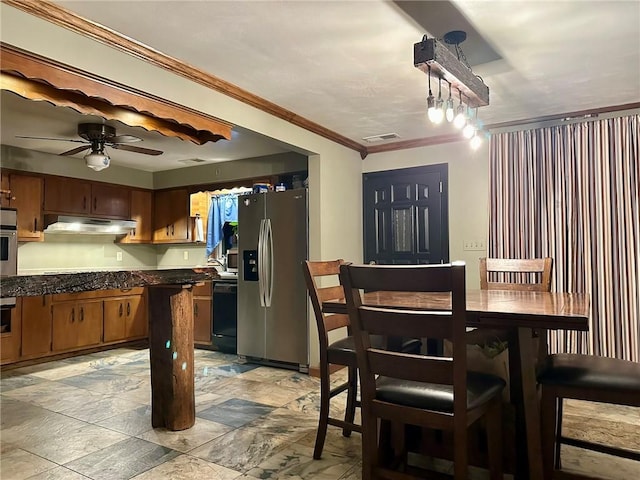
{"points": [[518, 312]]}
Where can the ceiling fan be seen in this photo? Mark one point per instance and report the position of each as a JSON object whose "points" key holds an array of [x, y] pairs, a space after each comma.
{"points": [[97, 136]]}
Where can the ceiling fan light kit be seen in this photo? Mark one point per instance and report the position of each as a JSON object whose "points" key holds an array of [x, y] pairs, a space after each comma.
{"points": [[97, 161], [434, 58]]}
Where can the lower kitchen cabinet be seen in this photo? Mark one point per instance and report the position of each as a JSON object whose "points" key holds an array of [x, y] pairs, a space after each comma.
{"points": [[202, 314], [125, 318], [47, 325], [76, 324], [36, 325], [10, 334]]}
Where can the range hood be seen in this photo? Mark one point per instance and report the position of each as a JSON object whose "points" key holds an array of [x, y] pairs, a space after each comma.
{"points": [[87, 225]]}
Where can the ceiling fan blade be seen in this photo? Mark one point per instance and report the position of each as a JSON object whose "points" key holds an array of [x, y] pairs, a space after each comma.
{"points": [[125, 139], [73, 151], [56, 139], [131, 148]]}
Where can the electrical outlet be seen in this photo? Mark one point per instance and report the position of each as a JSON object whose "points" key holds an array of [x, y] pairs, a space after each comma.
{"points": [[118, 256], [185, 255], [473, 245]]}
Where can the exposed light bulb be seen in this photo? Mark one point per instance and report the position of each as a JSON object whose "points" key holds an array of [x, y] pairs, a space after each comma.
{"points": [[461, 117], [431, 106], [449, 109], [449, 113], [438, 112], [468, 130], [476, 141]]}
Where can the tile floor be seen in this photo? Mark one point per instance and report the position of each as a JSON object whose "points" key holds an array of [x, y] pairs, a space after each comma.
{"points": [[88, 417]]}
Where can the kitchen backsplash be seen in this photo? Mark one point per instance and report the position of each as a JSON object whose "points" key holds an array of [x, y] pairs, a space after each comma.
{"points": [[58, 254]]}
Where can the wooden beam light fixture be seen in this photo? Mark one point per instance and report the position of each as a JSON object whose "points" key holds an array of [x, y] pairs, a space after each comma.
{"points": [[436, 59], [433, 57]]}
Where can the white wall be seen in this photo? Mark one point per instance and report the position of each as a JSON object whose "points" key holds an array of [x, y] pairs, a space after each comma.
{"points": [[468, 173]]}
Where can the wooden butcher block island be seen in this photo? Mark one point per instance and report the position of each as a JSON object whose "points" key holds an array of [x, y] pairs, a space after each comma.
{"points": [[170, 327]]}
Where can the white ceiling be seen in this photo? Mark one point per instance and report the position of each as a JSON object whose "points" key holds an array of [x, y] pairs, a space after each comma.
{"points": [[348, 65]]}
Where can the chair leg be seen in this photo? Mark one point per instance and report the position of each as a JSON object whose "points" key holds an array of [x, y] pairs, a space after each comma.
{"points": [[494, 439], [370, 459], [460, 447], [352, 392], [323, 419], [549, 416], [558, 432]]}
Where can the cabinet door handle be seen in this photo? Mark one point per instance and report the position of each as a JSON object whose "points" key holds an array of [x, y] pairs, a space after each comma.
{"points": [[81, 314], [95, 203], [35, 224], [167, 230], [120, 310], [128, 309], [172, 229], [195, 309], [73, 315]]}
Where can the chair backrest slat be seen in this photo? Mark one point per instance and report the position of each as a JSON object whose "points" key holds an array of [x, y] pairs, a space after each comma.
{"points": [[419, 368], [407, 323], [330, 293], [531, 274]]}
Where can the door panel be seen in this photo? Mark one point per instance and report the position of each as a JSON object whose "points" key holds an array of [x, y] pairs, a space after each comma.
{"points": [[114, 320], [287, 320], [251, 316], [136, 324], [406, 216]]}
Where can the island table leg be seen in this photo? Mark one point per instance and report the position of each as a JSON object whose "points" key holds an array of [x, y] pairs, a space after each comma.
{"points": [[171, 357]]}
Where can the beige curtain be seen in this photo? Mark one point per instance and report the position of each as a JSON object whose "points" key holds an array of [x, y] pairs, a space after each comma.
{"points": [[572, 192]]}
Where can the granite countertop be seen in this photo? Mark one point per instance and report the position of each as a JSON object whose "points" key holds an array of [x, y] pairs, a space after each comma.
{"points": [[34, 285]]}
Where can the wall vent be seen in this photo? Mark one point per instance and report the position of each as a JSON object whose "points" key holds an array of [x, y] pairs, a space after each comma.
{"points": [[192, 161], [380, 138]]}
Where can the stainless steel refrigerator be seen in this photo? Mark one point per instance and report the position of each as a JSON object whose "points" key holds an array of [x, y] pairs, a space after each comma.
{"points": [[272, 297]]}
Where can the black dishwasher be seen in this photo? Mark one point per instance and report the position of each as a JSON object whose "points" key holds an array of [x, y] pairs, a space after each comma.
{"points": [[225, 316]]}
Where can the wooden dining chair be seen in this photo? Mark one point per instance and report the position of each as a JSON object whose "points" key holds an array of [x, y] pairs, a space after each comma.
{"points": [[526, 274], [338, 352], [414, 389], [582, 377]]}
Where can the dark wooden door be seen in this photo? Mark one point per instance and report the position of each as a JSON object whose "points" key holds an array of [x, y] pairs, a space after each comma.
{"points": [[406, 216]]}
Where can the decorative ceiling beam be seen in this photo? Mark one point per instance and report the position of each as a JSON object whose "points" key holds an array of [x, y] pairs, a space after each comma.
{"points": [[430, 52], [38, 78]]}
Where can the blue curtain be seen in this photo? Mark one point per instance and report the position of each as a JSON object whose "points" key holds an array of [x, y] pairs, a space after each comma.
{"points": [[223, 208]]}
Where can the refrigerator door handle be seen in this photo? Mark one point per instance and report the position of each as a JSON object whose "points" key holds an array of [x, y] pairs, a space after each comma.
{"points": [[269, 267], [261, 263]]}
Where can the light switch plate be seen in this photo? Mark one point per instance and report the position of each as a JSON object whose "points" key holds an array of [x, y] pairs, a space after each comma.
{"points": [[118, 256], [474, 245]]}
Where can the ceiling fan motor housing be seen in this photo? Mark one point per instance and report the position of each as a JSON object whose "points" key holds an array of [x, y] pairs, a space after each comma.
{"points": [[96, 131]]}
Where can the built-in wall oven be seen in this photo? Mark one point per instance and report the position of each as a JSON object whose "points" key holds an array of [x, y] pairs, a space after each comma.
{"points": [[8, 249]]}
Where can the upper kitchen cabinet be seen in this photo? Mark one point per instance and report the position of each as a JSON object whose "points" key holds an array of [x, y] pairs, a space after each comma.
{"points": [[110, 200], [82, 197], [5, 189], [25, 195], [171, 216], [141, 211]]}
